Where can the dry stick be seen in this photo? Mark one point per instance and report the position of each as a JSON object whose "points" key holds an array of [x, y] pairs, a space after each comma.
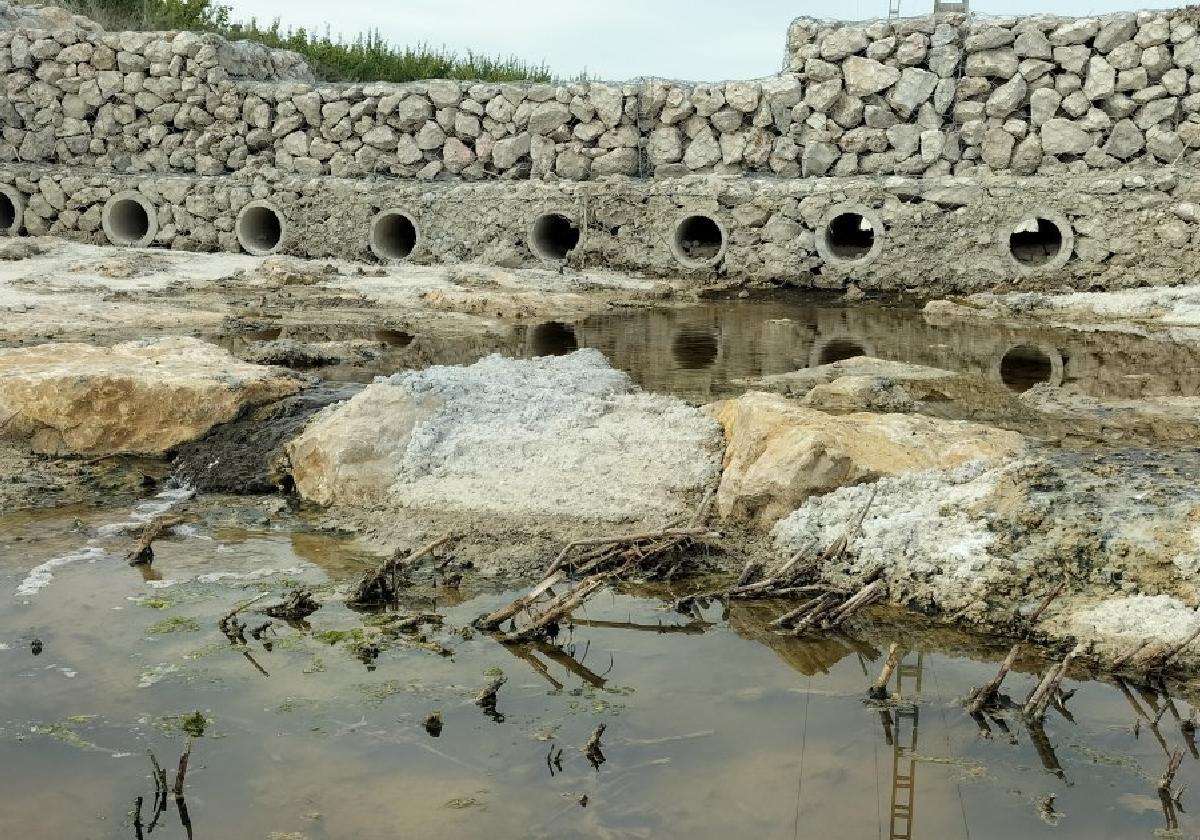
{"points": [[878, 689], [1036, 707], [233, 612], [143, 553], [985, 695], [557, 609], [789, 618], [1122, 661], [866, 596], [1172, 652], [495, 619], [822, 606]]}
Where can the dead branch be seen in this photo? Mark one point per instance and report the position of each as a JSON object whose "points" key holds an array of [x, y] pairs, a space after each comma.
{"points": [[298, 605], [985, 695], [1036, 706], [553, 613], [487, 697], [1129, 656], [878, 689], [495, 619], [143, 552], [382, 585]]}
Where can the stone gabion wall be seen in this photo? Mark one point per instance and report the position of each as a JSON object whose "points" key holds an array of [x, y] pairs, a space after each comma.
{"points": [[1026, 95], [934, 236], [921, 96]]}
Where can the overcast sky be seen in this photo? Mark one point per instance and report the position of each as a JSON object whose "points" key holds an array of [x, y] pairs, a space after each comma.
{"points": [[615, 39]]}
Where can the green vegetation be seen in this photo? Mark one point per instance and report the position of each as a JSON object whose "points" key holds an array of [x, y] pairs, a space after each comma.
{"points": [[365, 58], [174, 624]]}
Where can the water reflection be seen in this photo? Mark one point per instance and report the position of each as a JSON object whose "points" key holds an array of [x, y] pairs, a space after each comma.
{"points": [[695, 348]]}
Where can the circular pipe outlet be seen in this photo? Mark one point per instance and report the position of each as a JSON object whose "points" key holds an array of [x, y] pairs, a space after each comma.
{"points": [[12, 210], [129, 220], [1040, 241], [1023, 366], [394, 235], [850, 235], [553, 236], [260, 228], [699, 241]]}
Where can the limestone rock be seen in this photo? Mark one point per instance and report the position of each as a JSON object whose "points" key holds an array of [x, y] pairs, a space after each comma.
{"points": [[1060, 137], [563, 436], [779, 453], [143, 397], [865, 76]]}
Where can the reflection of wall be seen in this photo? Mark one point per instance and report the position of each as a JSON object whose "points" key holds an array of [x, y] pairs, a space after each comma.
{"points": [[765, 338]]}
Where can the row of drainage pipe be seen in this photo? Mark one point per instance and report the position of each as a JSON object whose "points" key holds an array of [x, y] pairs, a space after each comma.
{"points": [[849, 235]]}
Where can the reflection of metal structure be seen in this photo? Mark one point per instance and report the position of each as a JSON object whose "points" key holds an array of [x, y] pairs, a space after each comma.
{"points": [[904, 761]]}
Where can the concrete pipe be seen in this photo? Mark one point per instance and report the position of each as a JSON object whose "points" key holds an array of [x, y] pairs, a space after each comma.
{"points": [[394, 235], [129, 220], [699, 241], [1040, 241], [850, 235], [12, 210], [553, 236], [260, 228], [552, 338]]}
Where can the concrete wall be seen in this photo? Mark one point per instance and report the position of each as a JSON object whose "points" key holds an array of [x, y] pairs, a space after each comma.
{"points": [[932, 96], [930, 235]]}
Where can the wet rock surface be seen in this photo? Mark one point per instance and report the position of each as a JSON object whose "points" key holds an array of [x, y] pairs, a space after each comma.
{"points": [[248, 455]]}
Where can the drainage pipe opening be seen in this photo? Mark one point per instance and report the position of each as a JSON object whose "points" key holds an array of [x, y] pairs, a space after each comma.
{"points": [[129, 219], [12, 208], [840, 349], [699, 241], [553, 236], [850, 236], [260, 229], [394, 235], [1035, 242]]}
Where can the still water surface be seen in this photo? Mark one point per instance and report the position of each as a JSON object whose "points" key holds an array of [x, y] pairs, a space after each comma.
{"points": [[715, 727]]}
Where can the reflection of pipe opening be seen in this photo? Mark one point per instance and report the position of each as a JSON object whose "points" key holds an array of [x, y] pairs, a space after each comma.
{"points": [[849, 236], [129, 219], [11, 209], [553, 338], [695, 348], [553, 236], [394, 235], [1024, 366], [1035, 242], [260, 229], [699, 241], [840, 349]]}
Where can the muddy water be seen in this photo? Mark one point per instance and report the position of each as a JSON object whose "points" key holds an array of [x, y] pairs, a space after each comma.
{"points": [[705, 351], [715, 727]]}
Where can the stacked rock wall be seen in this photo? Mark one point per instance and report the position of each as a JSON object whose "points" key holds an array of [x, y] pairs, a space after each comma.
{"points": [[934, 95]]}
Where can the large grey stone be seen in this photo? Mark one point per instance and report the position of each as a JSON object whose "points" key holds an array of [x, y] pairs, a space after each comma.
{"points": [[865, 76], [1063, 137]]}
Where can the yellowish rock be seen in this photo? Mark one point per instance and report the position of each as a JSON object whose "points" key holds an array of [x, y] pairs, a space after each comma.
{"points": [[143, 397], [779, 452]]}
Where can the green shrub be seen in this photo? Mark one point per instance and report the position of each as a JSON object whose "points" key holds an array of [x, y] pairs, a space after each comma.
{"points": [[367, 57]]}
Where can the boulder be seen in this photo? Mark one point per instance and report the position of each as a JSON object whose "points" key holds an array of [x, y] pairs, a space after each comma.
{"points": [[779, 452], [144, 397], [566, 438]]}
